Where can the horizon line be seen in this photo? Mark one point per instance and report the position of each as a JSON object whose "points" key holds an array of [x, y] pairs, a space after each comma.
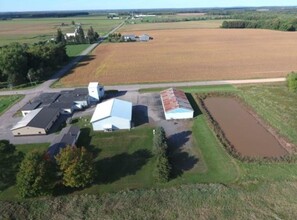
{"points": [[127, 9]]}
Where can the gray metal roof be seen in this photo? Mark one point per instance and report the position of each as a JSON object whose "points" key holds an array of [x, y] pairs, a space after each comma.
{"points": [[44, 117], [70, 136], [31, 106]]}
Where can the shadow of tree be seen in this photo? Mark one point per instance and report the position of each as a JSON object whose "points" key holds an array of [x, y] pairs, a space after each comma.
{"points": [[114, 168], [84, 140], [180, 160]]}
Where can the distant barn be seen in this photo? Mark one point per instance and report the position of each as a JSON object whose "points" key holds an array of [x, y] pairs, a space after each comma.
{"points": [[176, 104]]}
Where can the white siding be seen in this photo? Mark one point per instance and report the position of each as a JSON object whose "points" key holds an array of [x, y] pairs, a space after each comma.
{"points": [[116, 122], [182, 115]]}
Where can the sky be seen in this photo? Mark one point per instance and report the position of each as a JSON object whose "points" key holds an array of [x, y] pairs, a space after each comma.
{"points": [[51, 5]]}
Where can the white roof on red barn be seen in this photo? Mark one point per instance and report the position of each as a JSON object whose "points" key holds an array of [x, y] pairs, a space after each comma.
{"points": [[174, 99]]}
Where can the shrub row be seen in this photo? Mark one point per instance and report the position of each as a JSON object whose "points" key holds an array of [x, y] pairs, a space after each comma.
{"points": [[162, 166]]}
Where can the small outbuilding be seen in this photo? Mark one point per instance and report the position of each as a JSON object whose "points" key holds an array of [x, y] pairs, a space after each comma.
{"points": [[114, 114], [176, 104]]}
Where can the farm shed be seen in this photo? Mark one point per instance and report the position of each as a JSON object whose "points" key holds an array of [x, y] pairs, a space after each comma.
{"points": [[144, 37], [176, 104], [37, 122], [68, 138], [113, 114]]}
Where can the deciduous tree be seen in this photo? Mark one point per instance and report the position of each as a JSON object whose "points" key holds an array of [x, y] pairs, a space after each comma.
{"points": [[77, 166], [36, 175]]}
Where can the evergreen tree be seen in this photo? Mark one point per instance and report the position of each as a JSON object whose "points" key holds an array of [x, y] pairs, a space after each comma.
{"points": [[60, 37], [80, 36]]}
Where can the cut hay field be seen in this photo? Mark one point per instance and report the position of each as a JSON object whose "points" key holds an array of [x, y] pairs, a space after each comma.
{"points": [[39, 29], [190, 55]]}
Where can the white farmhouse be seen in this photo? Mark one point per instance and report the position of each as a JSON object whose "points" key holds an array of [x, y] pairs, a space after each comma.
{"points": [[113, 114], [176, 104]]}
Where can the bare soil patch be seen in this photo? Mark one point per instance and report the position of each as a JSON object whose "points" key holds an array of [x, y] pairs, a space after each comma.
{"points": [[190, 55], [242, 129]]}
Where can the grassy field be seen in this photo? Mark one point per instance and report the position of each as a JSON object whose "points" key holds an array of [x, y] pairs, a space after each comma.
{"points": [[7, 101], [213, 201], [34, 30], [74, 50], [230, 189], [276, 105], [189, 55], [196, 89]]}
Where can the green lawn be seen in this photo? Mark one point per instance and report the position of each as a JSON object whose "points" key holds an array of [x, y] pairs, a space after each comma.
{"points": [[276, 105], [221, 187], [8, 101], [197, 89], [74, 50]]}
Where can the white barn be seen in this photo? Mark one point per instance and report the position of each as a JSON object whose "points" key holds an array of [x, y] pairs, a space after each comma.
{"points": [[176, 104], [114, 114]]}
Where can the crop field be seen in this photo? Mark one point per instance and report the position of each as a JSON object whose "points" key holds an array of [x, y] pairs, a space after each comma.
{"points": [[34, 30], [172, 25], [188, 55]]}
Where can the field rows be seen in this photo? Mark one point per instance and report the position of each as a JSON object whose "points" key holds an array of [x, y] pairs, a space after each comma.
{"points": [[192, 54]]}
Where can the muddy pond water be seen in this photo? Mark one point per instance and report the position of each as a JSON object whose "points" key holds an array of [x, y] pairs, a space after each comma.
{"points": [[242, 129]]}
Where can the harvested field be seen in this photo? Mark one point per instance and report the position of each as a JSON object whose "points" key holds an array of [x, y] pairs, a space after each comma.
{"points": [[172, 25], [190, 55], [244, 131]]}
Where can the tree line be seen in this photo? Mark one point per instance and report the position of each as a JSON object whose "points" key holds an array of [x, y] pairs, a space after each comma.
{"points": [[23, 63], [273, 24], [79, 38]]}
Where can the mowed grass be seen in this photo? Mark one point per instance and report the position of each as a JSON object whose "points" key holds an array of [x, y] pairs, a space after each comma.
{"points": [[276, 105], [196, 89], [74, 50], [43, 29], [8, 101], [233, 189]]}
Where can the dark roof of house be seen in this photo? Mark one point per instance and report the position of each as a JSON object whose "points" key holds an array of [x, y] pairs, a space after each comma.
{"points": [[70, 136], [31, 106], [73, 95], [43, 100], [44, 117], [62, 105], [47, 98]]}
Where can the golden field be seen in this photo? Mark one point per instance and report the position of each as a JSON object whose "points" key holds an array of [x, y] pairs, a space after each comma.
{"points": [[188, 55]]}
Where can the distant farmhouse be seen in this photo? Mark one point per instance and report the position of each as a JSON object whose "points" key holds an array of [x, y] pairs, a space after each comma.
{"points": [[114, 16], [134, 38], [114, 114], [176, 104], [71, 35], [41, 113]]}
